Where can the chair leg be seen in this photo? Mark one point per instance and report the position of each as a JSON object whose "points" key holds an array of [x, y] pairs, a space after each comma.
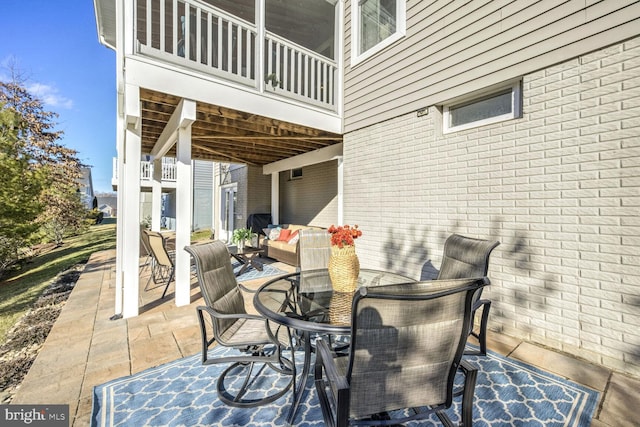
{"points": [[168, 282], [470, 377], [482, 334]]}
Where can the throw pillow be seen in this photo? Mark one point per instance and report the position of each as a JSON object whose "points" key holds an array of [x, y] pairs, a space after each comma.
{"points": [[285, 234], [266, 232], [274, 234], [293, 239]]}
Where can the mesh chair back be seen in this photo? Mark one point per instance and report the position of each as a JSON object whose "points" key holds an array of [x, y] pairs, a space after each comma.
{"points": [[465, 257], [158, 249], [217, 283], [314, 249], [144, 238], [408, 340]]}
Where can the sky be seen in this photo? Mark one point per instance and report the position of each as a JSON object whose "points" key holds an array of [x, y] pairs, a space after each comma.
{"points": [[55, 44]]}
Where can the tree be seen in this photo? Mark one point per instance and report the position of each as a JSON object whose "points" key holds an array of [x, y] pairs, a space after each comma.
{"points": [[59, 166], [20, 191]]}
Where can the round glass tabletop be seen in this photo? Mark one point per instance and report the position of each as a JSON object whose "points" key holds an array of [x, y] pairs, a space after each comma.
{"points": [[306, 300]]}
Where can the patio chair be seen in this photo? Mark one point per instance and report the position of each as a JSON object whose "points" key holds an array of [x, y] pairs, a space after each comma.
{"points": [[146, 250], [467, 257], [314, 249], [232, 326], [314, 252], [163, 268], [407, 343]]}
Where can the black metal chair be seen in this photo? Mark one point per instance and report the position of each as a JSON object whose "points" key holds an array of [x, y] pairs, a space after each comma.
{"points": [[465, 257], [231, 326], [407, 343]]}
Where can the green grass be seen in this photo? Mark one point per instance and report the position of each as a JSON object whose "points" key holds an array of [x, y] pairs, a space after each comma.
{"points": [[200, 235], [20, 289]]}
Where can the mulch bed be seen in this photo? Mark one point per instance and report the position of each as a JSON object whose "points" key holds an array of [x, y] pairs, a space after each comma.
{"points": [[24, 341]]}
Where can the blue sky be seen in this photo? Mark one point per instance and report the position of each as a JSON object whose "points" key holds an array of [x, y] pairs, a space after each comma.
{"points": [[55, 43]]}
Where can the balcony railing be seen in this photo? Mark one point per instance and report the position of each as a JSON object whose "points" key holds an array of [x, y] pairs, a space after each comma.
{"points": [[146, 171], [199, 36]]}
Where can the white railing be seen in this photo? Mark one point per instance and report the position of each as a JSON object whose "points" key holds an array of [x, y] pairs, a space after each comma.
{"points": [[299, 72], [197, 35], [146, 170]]}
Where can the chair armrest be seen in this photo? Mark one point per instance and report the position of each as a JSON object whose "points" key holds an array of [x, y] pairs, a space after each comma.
{"points": [[217, 315], [247, 290], [467, 367], [479, 303], [324, 358]]}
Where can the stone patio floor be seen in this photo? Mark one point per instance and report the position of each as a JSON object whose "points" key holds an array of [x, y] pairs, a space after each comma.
{"points": [[85, 349]]}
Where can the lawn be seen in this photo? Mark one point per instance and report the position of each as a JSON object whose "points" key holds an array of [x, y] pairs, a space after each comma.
{"points": [[20, 289]]}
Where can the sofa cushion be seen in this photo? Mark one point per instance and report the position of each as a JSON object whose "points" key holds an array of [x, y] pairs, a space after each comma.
{"points": [[282, 245], [274, 234], [294, 237], [284, 236]]}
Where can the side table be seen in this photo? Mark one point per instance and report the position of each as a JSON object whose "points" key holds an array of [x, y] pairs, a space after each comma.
{"points": [[246, 257]]}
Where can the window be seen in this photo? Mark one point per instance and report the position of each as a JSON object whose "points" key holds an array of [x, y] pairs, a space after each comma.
{"points": [[295, 173], [496, 106], [376, 24]]}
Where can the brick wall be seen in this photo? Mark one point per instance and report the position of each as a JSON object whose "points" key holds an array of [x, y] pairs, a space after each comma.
{"points": [[560, 188]]}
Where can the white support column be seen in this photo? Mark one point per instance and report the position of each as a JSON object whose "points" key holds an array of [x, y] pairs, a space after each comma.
{"points": [[120, 136], [129, 212], [217, 209], [156, 194], [275, 197], [340, 190], [120, 129], [184, 197], [260, 37]]}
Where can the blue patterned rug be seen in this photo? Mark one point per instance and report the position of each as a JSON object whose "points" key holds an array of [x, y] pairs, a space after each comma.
{"points": [[253, 273], [182, 393]]}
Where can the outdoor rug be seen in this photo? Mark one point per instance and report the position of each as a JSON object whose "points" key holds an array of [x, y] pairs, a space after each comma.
{"points": [[253, 273], [182, 393]]}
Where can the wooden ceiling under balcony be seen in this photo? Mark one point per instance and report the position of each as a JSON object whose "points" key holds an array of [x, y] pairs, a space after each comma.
{"points": [[225, 135]]}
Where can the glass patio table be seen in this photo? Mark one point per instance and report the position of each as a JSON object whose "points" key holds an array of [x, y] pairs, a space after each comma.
{"points": [[306, 303]]}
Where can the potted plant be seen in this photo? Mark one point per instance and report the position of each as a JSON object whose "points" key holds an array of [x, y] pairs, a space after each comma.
{"points": [[241, 235]]}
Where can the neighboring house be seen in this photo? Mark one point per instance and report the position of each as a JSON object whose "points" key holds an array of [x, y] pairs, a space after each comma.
{"points": [[202, 200], [515, 120], [85, 188], [107, 210], [108, 203]]}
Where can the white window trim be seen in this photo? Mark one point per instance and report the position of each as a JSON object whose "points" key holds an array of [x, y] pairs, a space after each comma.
{"points": [[516, 108], [401, 29], [291, 175]]}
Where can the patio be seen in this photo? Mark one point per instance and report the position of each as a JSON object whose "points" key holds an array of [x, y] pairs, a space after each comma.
{"points": [[85, 348]]}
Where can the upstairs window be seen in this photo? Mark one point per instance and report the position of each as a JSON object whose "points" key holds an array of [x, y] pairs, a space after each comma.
{"points": [[496, 106], [376, 24]]}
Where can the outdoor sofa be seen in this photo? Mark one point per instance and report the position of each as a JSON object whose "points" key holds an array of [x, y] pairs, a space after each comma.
{"points": [[283, 242]]}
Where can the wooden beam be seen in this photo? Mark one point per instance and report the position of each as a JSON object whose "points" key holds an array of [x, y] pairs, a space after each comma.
{"points": [[275, 138], [225, 154], [182, 117]]}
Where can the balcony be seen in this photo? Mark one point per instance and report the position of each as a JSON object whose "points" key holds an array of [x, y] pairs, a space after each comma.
{"points": [[202, 37], [146, 173]]}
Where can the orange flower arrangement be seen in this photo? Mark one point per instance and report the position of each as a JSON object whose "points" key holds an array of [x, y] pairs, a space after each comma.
{"points": [[344, 235]]}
